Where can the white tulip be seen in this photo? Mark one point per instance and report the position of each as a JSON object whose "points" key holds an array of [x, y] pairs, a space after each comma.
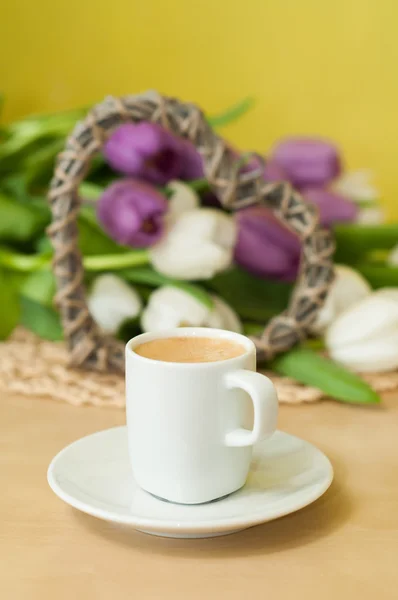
{"points": [[388, 292], [183, 199], [348, 288], [197, 245], [393, 257], [170, 307], [365, 337], [357, 185], [112, 301], [223, 316], [371, 215]]}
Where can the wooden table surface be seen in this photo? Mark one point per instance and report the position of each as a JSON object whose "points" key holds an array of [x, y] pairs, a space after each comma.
{"points": [[345, 546]]}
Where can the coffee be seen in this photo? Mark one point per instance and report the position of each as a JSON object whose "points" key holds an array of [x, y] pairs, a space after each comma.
{"points": [[190, 349]]}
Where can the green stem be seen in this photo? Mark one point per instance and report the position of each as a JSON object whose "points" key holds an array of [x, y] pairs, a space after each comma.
{"points": [[27, 263], [23, 262], [107, 262]]}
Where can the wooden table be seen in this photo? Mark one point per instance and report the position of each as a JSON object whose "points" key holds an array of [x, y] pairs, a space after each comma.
{"points": [[344, 547]]}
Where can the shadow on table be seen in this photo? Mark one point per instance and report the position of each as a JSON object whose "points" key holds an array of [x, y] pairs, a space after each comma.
{"points": [[318, 520]]}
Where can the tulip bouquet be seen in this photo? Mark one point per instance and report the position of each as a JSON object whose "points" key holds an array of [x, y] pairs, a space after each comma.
{"points": [[159, 250]]}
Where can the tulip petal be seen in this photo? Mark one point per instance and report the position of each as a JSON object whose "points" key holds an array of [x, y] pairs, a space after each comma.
{"points": [[348, 288], [209, 224], [332, 207], [371, 215], [131, 212], [357, 185], [393, 257], [183, 199], [185, 258], [371, 319], [170, 307], [274, 172], [307, 161], [198, 245], [376, 355], [388, 292], [223, 316], [191, 162], [112, 301], [145, 150], [264, 246]]}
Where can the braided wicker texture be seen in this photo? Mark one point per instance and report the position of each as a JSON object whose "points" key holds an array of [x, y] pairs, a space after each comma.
{"points": [[235, 189]]}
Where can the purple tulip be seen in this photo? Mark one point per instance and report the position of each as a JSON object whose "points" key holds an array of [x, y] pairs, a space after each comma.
{"points": [[307, 162], [145, 150], [274, 172], [131, 212], [265, 247], [333, 208], [191, 162], [271, 170]]}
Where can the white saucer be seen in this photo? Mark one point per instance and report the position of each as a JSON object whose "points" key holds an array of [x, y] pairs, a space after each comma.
{"points": [[93, 475]]}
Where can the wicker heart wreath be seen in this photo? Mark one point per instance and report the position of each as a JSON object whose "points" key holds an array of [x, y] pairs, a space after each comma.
{"points": [[235, 189]]}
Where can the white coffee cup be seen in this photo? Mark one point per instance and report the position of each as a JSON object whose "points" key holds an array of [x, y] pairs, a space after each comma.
{"points": [[187, 443]]}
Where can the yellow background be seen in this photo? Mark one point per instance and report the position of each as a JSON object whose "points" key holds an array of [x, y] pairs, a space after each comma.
{"points": [[314, 66]]}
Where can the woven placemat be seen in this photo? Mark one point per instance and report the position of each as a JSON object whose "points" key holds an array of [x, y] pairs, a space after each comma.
{"points": [[38, 368]]}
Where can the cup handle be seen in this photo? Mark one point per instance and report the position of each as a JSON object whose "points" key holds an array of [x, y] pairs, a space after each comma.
{"points": [[265, 402]]}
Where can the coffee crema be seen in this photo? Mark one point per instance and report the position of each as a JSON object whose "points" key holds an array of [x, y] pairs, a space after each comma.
{"points": [[190, 349]]}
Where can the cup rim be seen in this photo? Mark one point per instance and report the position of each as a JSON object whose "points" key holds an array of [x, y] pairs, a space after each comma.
{"points": [[191, 332]]}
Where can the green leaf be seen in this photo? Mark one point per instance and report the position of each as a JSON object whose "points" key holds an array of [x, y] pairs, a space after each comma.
{"points": [[232, 114], [129, 329], [197, 185], [30, 133], [42, 320], [40, 287], [90, 190], [14, 187], [251, 328], [43, 245], [379, 275], [42, 123], [9, 303], [19, 222], [152, 278], [38, 167], [92, 240], [26, 139], [354, 241], [144, 291], [253, 298], [14, 151], [322, 373]]}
